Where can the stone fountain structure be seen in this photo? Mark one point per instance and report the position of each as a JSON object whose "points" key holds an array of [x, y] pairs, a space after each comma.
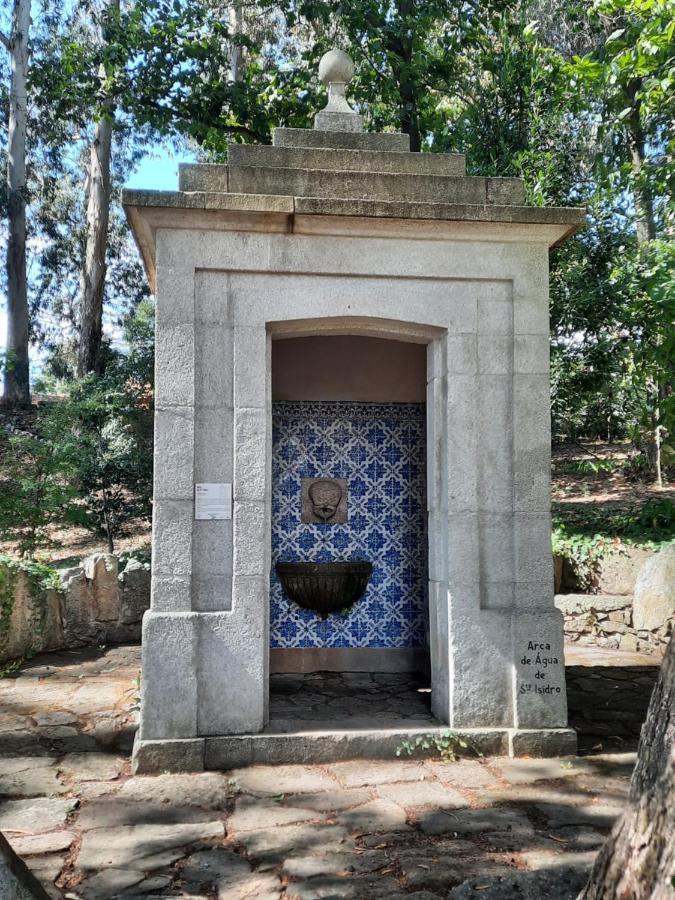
{"points": [[337, 231]]}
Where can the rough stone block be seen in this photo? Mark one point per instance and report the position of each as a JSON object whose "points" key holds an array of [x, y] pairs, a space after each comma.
{"points": [[532, 548], [227, 704], [495, 354], [462, 354], [250, 594], [212, 547], [251, 543], [531, 354], [309, 137], [250, 369], [543, 742], [250, 462], [344, 160], [101, 570], [135, 592], [463, 549], [170, 676], [496, 594], [155, 757], [214, 444], [495, 546], [175, 296], [533, 595], [212, 301], [461, 436], [202, 177], [541, 700], [505, 191], [211, 593], [481, 643], [495, 309], [172, 537], [174, 453], [170, 593], [358, 185], [174, 366], [213, 366], [494, 456]]}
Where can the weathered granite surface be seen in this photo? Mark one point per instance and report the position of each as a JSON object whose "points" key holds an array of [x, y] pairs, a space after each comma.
{"points": [[97, 603]]}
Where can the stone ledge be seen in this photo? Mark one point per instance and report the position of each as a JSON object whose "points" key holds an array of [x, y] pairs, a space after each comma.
{"points": [[543, 742], [571, 218], [576, 604], [340, 159], [364, 140], [375, 186], [233, 751], [156, 756]]}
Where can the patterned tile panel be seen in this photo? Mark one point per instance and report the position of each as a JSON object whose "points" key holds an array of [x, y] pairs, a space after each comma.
{"points": [[381, 450]]}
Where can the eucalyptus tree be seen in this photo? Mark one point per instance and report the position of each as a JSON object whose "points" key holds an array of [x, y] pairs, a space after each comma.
{"points": [[16, 378]]}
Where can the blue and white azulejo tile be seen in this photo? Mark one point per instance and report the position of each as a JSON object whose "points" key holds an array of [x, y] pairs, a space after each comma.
{"points": [[380, 448]]}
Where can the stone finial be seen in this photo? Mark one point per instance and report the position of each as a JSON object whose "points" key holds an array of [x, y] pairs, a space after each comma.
{"points": [[336, 70]]}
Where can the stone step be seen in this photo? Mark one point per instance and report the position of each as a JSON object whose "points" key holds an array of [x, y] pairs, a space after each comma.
{"points": [[346, 160], [374, 185], [348, 140], [332, 746]]}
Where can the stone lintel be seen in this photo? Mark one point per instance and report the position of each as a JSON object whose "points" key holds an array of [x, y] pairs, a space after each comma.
{"points": [[350, 140]]}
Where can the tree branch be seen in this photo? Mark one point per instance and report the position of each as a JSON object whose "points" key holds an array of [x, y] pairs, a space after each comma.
{"points": [[4, 40]]}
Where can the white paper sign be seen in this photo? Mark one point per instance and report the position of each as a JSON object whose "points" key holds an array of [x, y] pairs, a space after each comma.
{"points": [[213, 501]]}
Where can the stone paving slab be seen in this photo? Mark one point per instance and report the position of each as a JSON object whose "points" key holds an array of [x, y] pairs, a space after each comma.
{"points": [[490, 828]]}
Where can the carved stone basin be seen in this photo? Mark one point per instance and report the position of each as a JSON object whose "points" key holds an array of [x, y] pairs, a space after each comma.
{"points": [[324, 587]]}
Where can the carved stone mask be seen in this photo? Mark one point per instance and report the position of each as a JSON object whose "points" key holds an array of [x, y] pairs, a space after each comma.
{"points": [[325, 498]]}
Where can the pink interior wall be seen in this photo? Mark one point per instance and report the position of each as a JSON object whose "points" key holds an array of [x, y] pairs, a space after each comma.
{"points": [[345, 367]]}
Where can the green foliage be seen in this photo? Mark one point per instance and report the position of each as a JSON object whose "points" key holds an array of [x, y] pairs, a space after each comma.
{"points": [[110, 421], [88, 458], [36, 480], [450, 745], [585, 535]]}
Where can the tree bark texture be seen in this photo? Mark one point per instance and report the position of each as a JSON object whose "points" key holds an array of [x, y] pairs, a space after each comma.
{"points": [[92, 279], [638, 860], [16, 380]]}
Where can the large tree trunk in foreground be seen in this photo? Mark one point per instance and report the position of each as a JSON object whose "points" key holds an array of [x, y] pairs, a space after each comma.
{"points": [[92, 279], [17, 387], [638, 860]]}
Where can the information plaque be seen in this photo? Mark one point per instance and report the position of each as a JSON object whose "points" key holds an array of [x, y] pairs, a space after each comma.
{"points": [[213, 501]]}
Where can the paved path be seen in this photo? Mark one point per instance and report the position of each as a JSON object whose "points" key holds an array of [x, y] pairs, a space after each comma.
{"points": [[490, 829]]}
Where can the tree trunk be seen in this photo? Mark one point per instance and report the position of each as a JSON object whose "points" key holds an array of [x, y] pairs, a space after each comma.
{"points": [[17, 385], [92, 279], [236, 53], [637, 861]]}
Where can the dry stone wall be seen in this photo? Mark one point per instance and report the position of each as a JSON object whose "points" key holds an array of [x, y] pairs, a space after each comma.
{"points": [[98, 602], [641, 619]]}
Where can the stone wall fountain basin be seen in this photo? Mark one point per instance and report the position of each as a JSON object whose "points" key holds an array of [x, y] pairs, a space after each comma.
{"points": [[324, 587]]}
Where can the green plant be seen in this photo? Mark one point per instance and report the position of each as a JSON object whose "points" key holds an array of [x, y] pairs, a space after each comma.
{"points": [[36, 488], [40, 578], [448, 744]]}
